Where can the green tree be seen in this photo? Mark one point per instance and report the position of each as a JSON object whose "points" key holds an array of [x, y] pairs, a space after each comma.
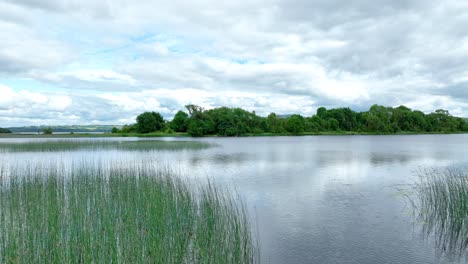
{"points": [[419, 122], [295, 124], [383, 114], [401, 119], [465, 124], [199, 123], [442, 121], [227, 121], [345, 117], [195, 110], [372, 123], [333, 124], [47, 131], [148, 122], [275, 124], [196, 128], [180, 122], [234, 121], [322, 112], [115, 130], [313, 124], [129, 129]]}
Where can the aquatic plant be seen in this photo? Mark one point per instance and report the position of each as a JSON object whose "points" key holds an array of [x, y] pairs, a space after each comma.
{"points": [[441, 205], [70, 145], [118, 213]]}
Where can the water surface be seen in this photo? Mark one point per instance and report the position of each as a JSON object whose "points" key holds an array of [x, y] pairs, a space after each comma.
{"points": [[314, 199]]}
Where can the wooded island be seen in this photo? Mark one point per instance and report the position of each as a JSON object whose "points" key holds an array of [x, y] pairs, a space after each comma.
{"points": [[224, 121]]}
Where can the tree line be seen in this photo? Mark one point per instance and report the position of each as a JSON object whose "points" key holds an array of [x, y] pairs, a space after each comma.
{"points": [[47, 131], [224, 121], [4, 130]]}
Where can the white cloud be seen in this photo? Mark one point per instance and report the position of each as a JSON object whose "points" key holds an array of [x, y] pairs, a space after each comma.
{"points": [[23, 49], [264, 55], [25, 100]]}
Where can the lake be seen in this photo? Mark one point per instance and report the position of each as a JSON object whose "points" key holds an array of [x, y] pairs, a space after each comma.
{"points": [[312, 199]]}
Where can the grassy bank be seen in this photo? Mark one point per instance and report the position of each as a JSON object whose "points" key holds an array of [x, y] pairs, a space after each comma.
{"points": [[441, 203], [160, 134], [126, 214], [349, 133], [69, 145], [91, 135]]}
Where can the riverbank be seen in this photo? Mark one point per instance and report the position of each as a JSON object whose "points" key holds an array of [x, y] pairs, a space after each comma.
{"points": [[178, 135]]}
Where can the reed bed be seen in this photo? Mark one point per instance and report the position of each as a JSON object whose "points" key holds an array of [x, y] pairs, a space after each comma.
{"points": [[118, 214], [442, 207], [71, 145]]}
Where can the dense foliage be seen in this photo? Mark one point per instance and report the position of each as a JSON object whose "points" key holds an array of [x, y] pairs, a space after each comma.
{"points": [[47, 131], [149, 122], [226, 121], [180, 122], [118, 212], [4, 130]]}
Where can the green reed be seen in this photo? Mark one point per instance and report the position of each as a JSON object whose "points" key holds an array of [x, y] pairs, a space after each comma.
{"points": [[441, 205], [125, 214], [70, 145]]}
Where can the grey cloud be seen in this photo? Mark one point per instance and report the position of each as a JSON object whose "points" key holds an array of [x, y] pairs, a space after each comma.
{"points": [[23, 50], [95, 9], [41, 4], [458, 91], [9, 66], [10, 13], [328, 52], [331, 13]]}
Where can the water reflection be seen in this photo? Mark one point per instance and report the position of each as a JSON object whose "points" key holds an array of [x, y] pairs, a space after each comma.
{"points": [[380, 158], [313, 199], [225, 159]]}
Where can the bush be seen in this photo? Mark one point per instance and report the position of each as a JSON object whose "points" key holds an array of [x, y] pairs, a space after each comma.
{"points": [[47, 131], [150, 122]]}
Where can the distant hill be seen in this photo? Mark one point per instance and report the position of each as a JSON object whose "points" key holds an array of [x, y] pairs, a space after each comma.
{"points": [[4, 130], [62, 129]]}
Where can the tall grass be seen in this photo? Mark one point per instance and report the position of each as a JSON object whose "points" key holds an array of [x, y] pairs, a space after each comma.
{"points": [[70, 145], [125, 214], [442, 206]]}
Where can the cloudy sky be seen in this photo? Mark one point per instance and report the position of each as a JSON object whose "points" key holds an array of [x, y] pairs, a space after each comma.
{"points": [[103, 62]]}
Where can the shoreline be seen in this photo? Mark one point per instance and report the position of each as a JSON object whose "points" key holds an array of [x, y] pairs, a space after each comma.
{"points": [[185, 135]]}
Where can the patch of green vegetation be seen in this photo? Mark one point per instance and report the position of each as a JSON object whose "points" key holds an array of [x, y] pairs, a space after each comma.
{"points": [[224, 121], [47, 131], [229, 122], [4, 131], [152, 134], [125, 214], [441, 205], [75, 135], [70, 145], [63, 129]]}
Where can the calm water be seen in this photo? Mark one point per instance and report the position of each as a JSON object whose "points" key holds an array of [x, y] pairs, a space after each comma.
{"points": [[313, 199]]}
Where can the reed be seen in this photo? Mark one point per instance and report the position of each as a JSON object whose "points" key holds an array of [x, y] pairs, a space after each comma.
{"points": [[71, 145], [118, 213], [441, 203]]}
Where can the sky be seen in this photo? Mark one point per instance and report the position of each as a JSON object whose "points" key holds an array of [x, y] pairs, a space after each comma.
{"points": [[104, 62]]}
